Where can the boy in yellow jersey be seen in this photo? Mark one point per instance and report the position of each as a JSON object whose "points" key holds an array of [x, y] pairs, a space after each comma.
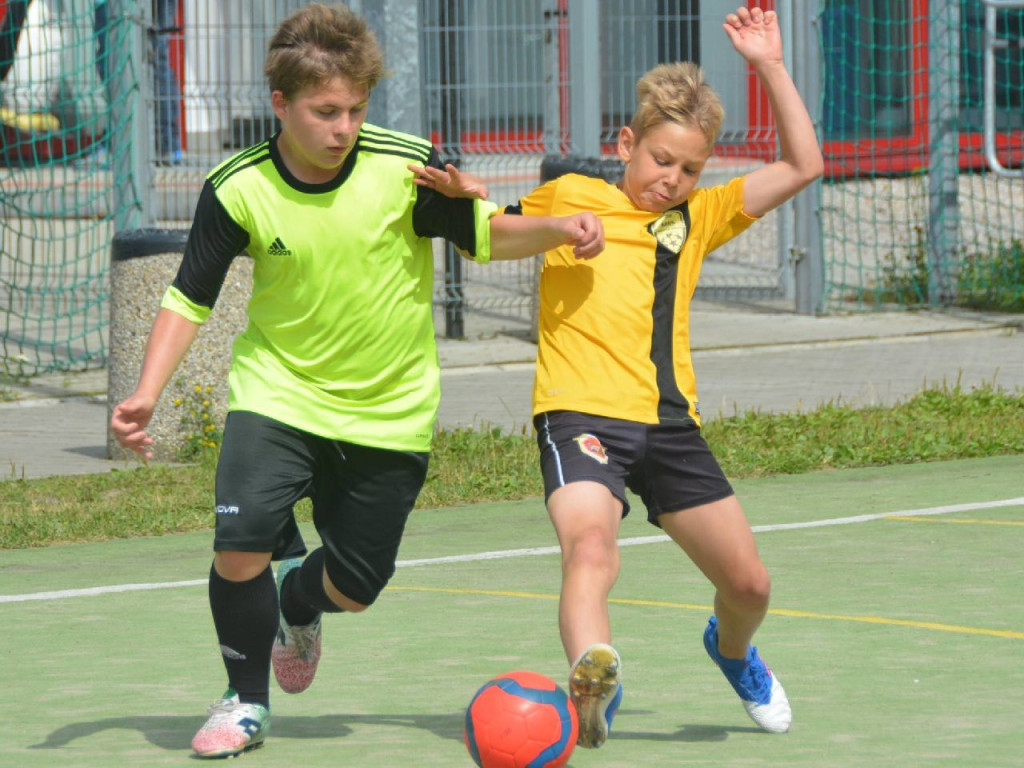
{"points": [[615, 400], [334, 384]]}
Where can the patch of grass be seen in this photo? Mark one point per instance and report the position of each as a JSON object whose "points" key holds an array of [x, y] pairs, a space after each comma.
{"points": [[935, 425], [469, 466], [7, 393], [148, 501], [905, 275], [991, 280]]}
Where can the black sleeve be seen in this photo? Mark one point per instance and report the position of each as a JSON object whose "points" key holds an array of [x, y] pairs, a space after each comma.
{"points": [[213, 242], [435, 215], [10, 31]]}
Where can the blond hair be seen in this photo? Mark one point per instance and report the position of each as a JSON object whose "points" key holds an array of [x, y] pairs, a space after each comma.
{"points": [[321, 43], [677, 93]]}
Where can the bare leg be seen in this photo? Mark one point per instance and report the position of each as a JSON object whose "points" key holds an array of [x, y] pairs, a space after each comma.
{"points": [[717, 537], [586, 518]]}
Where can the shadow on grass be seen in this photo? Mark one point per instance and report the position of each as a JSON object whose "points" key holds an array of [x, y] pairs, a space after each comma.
{"points": [[686, 733], [175, 733]]}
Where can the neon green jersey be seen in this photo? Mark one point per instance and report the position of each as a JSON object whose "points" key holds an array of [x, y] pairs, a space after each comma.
{"points": [[340, 340]]}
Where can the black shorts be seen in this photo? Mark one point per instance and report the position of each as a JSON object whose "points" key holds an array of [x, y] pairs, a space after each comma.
{"points": [[361, 499], [669, 466]]}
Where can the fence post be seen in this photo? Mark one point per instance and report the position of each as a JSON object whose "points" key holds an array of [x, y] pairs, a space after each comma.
{"points": [[584, 90], [398, 100], [805, 251], [944, 150], [553, 19], [129, 125]]}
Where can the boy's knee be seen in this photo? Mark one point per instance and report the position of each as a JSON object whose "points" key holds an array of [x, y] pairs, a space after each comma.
{"points": [[750, 590], [240, 566], [346, 604], [350, 591], [592, 550]]}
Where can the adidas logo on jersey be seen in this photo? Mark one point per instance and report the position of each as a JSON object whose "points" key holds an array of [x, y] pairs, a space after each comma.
{"points": [[278, 248]]}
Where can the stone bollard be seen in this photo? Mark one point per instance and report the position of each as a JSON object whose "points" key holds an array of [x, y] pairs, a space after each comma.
{"points": [[143, 264]]}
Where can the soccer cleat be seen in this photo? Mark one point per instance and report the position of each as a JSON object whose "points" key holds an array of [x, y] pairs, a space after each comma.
{"points": [[761, 692], [233, 728], [296, 652], [596, 692]]}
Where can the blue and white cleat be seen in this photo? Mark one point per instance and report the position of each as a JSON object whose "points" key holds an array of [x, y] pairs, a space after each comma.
{"points": [[761, 692]]}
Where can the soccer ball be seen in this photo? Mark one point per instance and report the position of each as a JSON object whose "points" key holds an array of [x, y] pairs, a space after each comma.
{"points": [[520, 720]]}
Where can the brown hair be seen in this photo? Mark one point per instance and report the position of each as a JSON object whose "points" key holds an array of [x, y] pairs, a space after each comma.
{"points": [[677, 93], [320, 43]]}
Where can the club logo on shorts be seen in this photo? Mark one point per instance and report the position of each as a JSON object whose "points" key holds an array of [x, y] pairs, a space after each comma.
{"points": [[670, 231], [591, 446]]}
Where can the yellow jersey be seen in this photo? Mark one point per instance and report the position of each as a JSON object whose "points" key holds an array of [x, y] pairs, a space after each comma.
{"points": [[614, 331]]}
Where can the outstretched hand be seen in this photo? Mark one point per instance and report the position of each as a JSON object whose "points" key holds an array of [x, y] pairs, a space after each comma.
{"points": [[755, 34], [450, 182]]}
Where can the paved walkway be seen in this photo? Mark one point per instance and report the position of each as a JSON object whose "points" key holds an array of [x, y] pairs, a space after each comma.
{"points": [[746, 359]]}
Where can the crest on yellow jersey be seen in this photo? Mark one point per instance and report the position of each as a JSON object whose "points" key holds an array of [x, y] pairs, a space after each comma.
{"points": [[670, 230]]}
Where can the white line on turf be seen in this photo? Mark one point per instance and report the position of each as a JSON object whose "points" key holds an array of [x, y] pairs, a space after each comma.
{"points": [[533, 551]]}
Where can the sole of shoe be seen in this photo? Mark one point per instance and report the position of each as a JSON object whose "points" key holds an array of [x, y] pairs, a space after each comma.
{"points": [[295, 675], [291, 677], [224, 753], [593, 686]]}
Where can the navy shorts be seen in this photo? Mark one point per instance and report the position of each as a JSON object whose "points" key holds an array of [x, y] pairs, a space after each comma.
{"points": [[361, 499], [669, 466]]}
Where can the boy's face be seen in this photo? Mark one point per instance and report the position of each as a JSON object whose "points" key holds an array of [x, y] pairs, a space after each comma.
{"points": [[664, 166], [319, 127]]}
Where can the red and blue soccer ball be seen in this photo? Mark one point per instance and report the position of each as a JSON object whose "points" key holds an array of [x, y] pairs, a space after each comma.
{"points": [[521, 720]]}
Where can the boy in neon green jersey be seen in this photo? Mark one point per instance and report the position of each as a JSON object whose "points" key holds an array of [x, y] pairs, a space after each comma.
{"points": [[335, 383]]}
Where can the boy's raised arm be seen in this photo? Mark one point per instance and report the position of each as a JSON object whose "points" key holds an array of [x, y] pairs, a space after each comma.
{"points": [[755, 35]]}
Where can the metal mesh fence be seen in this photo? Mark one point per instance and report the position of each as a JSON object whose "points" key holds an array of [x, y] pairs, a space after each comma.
{"points": [[54, 225], [912, 212], [500, 84], [112, 112]]}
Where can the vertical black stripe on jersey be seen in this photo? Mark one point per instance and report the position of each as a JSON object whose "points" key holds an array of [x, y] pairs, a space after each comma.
{"points": [[672, 404]]}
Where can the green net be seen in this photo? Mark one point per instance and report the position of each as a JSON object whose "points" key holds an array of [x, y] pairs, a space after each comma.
{"points": [[55, 171], [912, 212]]}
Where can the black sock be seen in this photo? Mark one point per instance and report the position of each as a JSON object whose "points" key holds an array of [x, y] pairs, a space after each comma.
{"points": [[245, 616], [303, 597]]}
